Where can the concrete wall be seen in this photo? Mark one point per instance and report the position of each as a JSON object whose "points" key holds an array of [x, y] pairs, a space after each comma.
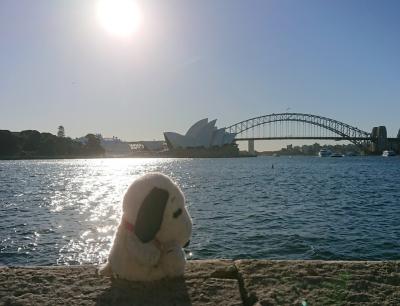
{"points": [[211, 282]]}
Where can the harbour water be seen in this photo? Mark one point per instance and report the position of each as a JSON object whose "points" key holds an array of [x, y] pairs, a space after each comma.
{"points": [[56, 212]]}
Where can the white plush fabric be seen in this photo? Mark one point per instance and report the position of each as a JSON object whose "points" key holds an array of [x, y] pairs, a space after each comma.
{"points": [[142, 253]]}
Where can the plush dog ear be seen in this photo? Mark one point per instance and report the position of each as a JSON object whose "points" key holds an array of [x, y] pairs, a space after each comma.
{"points": [[150, 215]]}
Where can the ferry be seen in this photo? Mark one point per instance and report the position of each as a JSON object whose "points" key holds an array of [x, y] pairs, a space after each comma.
{"points": [[352, 154], [336, 155], [324, 153], [387, 153]]}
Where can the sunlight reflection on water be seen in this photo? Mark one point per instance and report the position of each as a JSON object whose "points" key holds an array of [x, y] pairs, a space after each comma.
{"points": [[66, 211], [78, 200], [103, 183]]}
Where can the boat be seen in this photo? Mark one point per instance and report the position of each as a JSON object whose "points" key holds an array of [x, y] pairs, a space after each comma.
{"points": [[335, 154], [324, 153], [388, 153], [352, 154]]}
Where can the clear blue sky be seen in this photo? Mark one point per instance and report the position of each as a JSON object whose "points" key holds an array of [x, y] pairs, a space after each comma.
{"points": [[229, 60]]}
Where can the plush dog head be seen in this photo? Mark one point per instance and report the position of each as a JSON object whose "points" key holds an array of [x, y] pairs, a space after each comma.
{"points": [[155, 208]]}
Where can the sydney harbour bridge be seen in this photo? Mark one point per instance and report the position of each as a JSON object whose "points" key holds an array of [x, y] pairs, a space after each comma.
{"points": [[308, 126], [300, 126]]}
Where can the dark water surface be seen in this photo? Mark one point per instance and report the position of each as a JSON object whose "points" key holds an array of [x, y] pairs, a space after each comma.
{"points": [[66, 211]]}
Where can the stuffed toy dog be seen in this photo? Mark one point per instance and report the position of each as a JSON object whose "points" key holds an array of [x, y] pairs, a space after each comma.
{"points": [[154, 228]]}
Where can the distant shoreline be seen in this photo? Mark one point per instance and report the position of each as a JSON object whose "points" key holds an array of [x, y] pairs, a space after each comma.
{"points": [[159, 156], [113, 157], [49, 157]]}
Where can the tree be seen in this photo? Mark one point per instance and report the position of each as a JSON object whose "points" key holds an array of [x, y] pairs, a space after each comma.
{"points": [[61, 131], [93, 146], [9, 143], [30, 141], [48, 144]]}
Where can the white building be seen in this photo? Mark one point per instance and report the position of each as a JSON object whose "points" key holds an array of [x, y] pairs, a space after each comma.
{"points": [[201, 134], [154, 145]]}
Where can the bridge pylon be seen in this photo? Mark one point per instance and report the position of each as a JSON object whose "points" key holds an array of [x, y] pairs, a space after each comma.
{"points": [[251, 147], [380, 141]]}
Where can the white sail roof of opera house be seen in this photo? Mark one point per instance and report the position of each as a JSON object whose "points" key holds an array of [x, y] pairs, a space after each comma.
{"points": [[201, 134]]}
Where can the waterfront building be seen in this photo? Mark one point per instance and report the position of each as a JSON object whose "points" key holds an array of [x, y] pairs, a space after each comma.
{"points": [[153, 145]]}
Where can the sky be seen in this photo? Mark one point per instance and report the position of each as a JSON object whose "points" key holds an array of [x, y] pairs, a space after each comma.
{"points": [[187, 60]]}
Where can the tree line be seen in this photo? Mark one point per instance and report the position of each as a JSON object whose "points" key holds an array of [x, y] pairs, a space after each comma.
{"points": [[33, 144]]}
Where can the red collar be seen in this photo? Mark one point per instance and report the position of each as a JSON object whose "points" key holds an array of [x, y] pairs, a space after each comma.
{"points": [[129, 226]]}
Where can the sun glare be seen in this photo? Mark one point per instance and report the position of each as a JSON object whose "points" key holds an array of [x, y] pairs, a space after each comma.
{"points": [[119, 17]]}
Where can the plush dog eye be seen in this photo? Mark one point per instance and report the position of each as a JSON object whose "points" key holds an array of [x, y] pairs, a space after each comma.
{"points": [[177, 213]]}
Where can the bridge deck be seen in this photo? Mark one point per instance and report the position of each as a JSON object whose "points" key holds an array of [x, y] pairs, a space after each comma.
{"points": [[302, 138]]}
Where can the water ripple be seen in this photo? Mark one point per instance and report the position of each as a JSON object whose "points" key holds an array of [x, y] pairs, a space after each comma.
{"points": [[66, 211]]}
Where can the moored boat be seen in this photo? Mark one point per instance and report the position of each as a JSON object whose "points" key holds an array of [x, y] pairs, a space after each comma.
{"points": [[324, 153], [388, 153], [335, 154], [352, 154]]}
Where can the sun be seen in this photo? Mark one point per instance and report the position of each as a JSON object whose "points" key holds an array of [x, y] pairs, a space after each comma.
{"points": [[119, 17]]}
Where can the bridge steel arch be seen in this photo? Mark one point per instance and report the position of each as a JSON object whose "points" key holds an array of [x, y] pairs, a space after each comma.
{"points": [[345, 131]]}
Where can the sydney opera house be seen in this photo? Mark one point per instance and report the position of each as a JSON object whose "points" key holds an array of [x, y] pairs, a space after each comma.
{"points": [[203, 139]]}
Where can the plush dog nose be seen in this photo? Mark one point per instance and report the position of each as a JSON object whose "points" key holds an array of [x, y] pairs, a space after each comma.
{"points": [[187, 244]]}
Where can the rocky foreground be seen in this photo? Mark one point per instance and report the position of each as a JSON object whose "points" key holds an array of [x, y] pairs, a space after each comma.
{"points": [[211, 282]]}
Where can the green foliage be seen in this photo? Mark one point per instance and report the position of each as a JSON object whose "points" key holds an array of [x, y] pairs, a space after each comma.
{"points": [[93, 146], [61, 131], [31, 144], [9, 143], [30, 140]]}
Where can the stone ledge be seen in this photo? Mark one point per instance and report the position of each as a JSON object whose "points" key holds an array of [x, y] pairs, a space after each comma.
{"points": [[211, 282]]}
